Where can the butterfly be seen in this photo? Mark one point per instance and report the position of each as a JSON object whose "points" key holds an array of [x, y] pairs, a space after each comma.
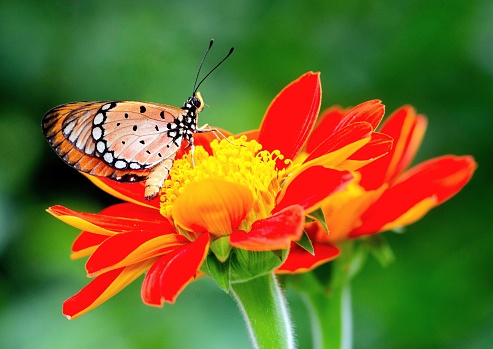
{"points": [[126, 141]]}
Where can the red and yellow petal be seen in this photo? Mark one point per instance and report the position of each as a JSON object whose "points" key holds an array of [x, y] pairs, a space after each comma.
{"points": [[420, 189], [291, 117], [133, 247], [103, 224], [102, 288], [87, 242], [328, 121], [218, 206], [273, 233], [172, 272], [341, 139], [300, 260], [379, 146], [407, 129], [371, 112], [310, 187]]}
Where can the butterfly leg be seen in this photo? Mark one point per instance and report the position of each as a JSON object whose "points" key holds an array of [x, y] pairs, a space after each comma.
{"points": [[215, 131], [156, 178]]}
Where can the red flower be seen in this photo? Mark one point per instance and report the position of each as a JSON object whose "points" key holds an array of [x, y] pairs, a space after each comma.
{"points": [[384, 196], [250, 193]]}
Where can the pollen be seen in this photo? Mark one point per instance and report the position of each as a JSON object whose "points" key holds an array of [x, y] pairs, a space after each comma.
{"points": [[232, 160]]}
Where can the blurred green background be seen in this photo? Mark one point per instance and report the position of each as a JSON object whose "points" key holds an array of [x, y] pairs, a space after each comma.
{"points": [[435, 55]]}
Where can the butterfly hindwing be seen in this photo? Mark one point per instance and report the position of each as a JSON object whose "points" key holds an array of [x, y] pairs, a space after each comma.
{"points": [[136, 135]]}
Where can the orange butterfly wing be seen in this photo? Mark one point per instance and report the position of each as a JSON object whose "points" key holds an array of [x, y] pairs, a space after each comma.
{"points": [[122, 140]]}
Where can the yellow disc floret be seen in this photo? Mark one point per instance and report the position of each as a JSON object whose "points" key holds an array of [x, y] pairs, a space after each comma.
{"points": [[232, 160]]}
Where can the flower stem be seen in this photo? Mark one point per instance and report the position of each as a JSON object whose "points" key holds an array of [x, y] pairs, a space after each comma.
{"points": [[265, 312], [331, 319], [330, 309]]}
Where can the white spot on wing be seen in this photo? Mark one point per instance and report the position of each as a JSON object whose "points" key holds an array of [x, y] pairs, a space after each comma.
{"points": [[106, 106], [120, 164], [101, 147], [98, 119], [97, 133], [108, 157], [135, 166]]}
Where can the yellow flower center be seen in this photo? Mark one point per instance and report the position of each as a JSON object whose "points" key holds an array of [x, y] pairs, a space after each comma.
{"points": [[238, 177]]}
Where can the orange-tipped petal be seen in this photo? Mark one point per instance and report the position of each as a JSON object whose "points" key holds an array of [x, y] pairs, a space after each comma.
{"points": [[172, 272], [300, 260], [328, 121], [219, 206], [291, 117], [273, 233], [310, 187], [101, 289], [436, 180]]}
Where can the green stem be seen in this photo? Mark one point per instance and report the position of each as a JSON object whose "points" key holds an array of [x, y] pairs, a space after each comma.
{"points": [[265, 312], [331, 319], [330, 309]]}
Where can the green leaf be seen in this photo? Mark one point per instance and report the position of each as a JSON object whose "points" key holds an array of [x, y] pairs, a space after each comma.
{"points": [[219, 271], [246, 265], [221, 248], [380, 248], [306, 244], [318, 215]]}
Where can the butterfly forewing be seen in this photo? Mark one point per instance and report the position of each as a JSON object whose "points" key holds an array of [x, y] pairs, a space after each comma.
{"points": [[122, 140]]}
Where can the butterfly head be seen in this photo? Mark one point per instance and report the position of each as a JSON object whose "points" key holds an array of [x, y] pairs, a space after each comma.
{"points": [[194, 103]]}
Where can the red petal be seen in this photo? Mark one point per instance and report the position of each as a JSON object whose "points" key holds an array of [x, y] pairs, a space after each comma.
{"points": [[380, 144], [341, 138], [439, 178], [371, 112], [300, 260], [328, 121], [101, 289], [291, 116], [273, 233], [86, 240], [171, 273], [127, 191], [311, 186], [407, 129], [133, 247]]}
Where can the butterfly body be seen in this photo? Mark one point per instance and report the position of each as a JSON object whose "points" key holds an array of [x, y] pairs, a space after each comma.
{"points": [[123, 140]]}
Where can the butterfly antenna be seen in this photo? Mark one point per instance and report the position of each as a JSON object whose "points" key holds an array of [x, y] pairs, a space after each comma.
{"points": [[196, 86], [200, 66]]}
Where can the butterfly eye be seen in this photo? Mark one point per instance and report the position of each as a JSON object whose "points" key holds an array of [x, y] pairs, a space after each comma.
{"points": [[196, 102]]}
